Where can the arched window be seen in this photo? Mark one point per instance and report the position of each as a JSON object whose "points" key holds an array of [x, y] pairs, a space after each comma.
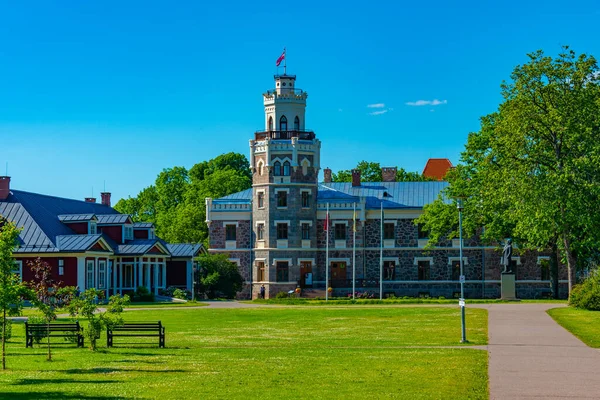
{"points": [[270, 124], [277, 168], [260, 167], [286, 168], [283, 123], [296, 123]]}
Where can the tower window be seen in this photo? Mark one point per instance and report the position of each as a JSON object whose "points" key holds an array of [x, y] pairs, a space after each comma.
{"points": [[282, 231], [277, 168], [296, 123], [270, 123], [388, 231], [340, 231], [283, 123], [305, 231], [230, 231], [305, 199], [261, 199], [282, 199], [286, 168], [260, 231]]}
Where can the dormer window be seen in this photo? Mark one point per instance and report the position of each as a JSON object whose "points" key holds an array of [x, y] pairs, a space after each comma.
{"points": [[93, 228], [128, 232], [151, 234]]}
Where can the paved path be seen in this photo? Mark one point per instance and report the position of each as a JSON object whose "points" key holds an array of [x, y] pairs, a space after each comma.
{"points": [[532, 357]]}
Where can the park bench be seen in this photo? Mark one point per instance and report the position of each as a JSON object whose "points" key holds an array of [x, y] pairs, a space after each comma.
{"points": [[136, 329], [68, 330]]}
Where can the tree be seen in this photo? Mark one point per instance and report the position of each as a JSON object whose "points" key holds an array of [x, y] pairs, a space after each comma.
{"points": [[48, 293], [218, 277], [86, 305], [11, 289], [371, 172], [532, 171]]}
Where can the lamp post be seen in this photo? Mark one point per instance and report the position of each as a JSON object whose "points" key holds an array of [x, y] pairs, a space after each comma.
{"points": [[459, 205]]}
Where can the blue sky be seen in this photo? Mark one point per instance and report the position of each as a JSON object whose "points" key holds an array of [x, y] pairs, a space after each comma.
{"points": [[112, 92]]}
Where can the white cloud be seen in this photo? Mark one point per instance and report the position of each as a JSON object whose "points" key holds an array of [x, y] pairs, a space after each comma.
{"points": [[376, 105], [419, 103], [378, 112]]}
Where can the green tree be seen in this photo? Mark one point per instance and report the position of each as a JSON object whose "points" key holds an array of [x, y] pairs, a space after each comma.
{"points": [[532, 171], [86, 306], [218, 277], [371, 172], [11, 289]]}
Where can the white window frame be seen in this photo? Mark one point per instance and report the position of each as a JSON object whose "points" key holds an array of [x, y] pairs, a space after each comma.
{"points": [[93, 228], [18, 270], [264, 195], [127, 279], [88, 271], [128, 232], [101, 274]]}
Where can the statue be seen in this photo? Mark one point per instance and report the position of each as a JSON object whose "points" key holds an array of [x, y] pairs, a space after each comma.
{"points": [[507, 257]]}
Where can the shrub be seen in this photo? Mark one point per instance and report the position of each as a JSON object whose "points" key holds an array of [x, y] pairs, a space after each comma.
{"points": [[282, 295], [180, 294], [218, 277], [37, 319], [8, 333], [143, 294], [587, 294]]}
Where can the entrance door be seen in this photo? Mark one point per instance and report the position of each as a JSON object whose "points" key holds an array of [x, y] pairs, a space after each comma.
{"points": [[338, 274], [306, 275]]}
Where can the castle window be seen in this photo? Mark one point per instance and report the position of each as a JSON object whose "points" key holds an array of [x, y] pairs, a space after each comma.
{"points": [[282, 231], [340, 231], [277, 168], [283, 123], [282, 199], [388, 231], [261, 199], [296, 123], [270, 123], [282, 271], [286, 168], [389, 269], [260, 231], [305, 231], [305, 199], [455, 270], [421, 232], [260, 269], [423, 269], [545, 269], [230, 232]]}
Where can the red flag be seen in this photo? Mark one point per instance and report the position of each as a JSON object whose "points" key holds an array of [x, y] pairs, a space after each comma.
{"points": [[280, 59]]}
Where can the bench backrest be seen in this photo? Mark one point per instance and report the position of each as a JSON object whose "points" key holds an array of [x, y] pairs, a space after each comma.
{"points": [[141, 326], [52, 327]]}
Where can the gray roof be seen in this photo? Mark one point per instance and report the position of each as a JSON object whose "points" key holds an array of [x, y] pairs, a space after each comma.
{"points": [[184, 249], [400, 194], [37, 215], [139, 246], [143, 225], [76, 243], [76, 217], [112, 219]]}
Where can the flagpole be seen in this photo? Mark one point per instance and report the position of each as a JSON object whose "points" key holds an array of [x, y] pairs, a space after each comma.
{"points": [[381, 256], [284, 62], [354, 254], [327, 254]]}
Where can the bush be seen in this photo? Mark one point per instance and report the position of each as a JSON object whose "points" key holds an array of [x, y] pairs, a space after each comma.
{"points": [[587, 294], [143, 294], [218, 277], [282, 295], [180, 294], [37, 319], [8, 333]]}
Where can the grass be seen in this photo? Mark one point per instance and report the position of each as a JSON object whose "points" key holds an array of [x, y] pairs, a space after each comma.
{"points": [[268, 353], [157, 304], [581, 323]]}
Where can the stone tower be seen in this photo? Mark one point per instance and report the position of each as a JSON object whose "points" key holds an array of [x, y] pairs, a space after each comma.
{"points": [[285, 162]]}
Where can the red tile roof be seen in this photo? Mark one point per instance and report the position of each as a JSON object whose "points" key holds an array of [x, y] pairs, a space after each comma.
{"points": [[437, 168]]}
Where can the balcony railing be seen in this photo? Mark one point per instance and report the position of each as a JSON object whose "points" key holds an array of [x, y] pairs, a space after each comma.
{"points": [[284, 90], [298, 133]]}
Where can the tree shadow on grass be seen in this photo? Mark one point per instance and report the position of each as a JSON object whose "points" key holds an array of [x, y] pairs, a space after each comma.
{"points": [[109, 370], [34, 381], [56, 395]]}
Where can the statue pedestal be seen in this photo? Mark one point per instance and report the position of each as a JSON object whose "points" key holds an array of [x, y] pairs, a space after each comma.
{"points": [[507, 288]]}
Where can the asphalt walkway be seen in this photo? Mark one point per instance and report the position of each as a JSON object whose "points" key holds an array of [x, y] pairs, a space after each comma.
{"points": [[532, 357]]}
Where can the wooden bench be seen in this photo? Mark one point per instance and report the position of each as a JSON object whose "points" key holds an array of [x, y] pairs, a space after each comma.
{"points": [[137, 329], [70, 330]]}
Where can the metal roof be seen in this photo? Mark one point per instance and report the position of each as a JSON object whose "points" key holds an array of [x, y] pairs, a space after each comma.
{"points": [[140, 246], [143, 225], [184, 249], [76, 242], [112, 219], [76, 217], [244, 195]]}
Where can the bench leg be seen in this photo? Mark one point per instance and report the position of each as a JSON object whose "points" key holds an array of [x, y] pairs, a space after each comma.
{"points": [[109, 339], [161, 341]]}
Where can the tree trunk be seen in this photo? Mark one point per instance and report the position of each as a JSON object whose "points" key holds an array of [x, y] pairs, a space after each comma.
{"points": [[571, 262], [554, 270], [48, 341]]}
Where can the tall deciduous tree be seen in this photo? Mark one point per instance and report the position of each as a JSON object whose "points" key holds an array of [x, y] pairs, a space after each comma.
{"points": [[371, 172], [11, 289], [533, 169]]}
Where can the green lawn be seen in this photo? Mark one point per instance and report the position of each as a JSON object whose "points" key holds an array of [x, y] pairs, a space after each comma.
{"points": [[267, 353], [581, 323]]}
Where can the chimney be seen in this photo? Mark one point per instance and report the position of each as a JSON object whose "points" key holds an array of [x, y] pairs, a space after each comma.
{"points": [[90, 199], [4, 187], [355, 177], [327, 175], [389, 174], [105, 198]]}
